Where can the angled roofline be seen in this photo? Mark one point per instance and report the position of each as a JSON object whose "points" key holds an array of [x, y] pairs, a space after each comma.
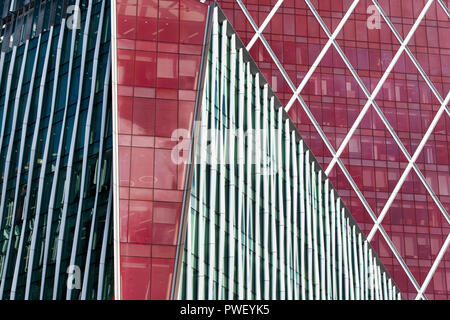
{"points": [[189, 173]]}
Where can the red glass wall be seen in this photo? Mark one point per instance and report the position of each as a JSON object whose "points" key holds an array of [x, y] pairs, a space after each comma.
{"points": [[159, 45], [158, 60], [414, 222]]}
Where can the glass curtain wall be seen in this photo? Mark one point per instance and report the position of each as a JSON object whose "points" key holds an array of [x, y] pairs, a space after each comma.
{"points": [[55, 151], [263, 221]]}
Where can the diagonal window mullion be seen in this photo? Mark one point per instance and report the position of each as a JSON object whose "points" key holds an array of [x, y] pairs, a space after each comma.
{"points": [[408, 167], [323, 136], [264, 24], [447, 12], [322, 52], [410, 55], [401, 261], [388, 126], [266, 45], [378, 87], [383, 232], [302, 102], [394, 135], [382, 116], [288, 80], [434, 267], [422, 178], [431, 192]]}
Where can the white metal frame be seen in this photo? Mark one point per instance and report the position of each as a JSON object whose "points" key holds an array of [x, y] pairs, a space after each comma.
{"points": [[115, 173], [370, 101], [285, 243]]}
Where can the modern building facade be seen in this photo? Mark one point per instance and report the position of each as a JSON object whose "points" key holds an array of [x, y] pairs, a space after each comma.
{"points": [[56, 150], [392, 163], [261, 220], [412, 207], [161, 149]]}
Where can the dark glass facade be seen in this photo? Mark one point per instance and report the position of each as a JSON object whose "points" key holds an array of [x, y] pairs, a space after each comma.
{"points": [[56, 151]]}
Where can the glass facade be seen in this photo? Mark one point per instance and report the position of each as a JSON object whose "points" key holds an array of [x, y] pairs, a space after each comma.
{"points": [[158, 47], [387, 158], [262, 221], [97, 96], [56, 151], [415, 225]]}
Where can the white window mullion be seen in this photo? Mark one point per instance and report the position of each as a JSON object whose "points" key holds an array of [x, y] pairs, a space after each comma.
{"points": [[241, 160], [434, 266], [87, 132], [100, 160], [201, 195], [356, 259], [329, 287], [223, 98], [322, 52], [295, 211], [257, 214], [350, 258], [377, 88], [408, 168], [334, 268], [6, 174], [302, 221], [67, 182], [321, 239], [51, 204], [264, 24], [288, 210], [266, 192], [340, 271], [45, 158], [101, 267], [213, 140], [315, 227], [281, 212], [231, 155], [4, 118], [345, 255], [273, 223], [310, 265]]}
